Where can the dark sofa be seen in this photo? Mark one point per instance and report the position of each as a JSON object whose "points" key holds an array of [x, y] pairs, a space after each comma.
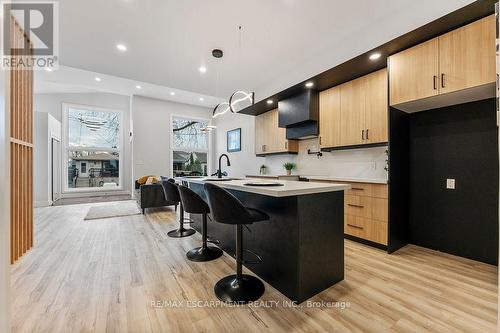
{"points": [[151, 196]]}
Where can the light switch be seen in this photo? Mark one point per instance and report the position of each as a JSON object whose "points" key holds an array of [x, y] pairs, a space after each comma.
{"points": [[450, 183]]}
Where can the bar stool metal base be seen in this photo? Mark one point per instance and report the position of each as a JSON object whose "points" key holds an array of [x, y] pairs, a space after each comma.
{"points": [[232, 289], [201, 254], [179, 233]]}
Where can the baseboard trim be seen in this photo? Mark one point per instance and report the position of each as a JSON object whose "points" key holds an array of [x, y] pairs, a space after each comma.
{"points": [[366, 242], [93, 194], [39, 204]]}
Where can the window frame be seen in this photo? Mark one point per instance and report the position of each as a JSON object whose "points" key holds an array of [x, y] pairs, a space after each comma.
{"points": [[171, 144], [66, 148]]}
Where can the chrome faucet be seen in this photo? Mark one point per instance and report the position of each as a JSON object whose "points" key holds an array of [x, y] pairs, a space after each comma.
{"points": [[219, 171]]}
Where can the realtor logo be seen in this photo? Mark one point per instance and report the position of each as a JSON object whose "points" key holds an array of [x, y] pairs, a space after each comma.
{"points": [[38, 21]]}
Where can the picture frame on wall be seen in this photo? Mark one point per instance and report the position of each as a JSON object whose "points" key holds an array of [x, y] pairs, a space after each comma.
{"points": [[234, 140]]}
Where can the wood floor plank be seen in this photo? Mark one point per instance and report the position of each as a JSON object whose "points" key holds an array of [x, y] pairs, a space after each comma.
{"points": [[125, 275]]}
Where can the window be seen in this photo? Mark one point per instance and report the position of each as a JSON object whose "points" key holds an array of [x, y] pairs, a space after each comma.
{"points": [[189, 147], [92, 147]]}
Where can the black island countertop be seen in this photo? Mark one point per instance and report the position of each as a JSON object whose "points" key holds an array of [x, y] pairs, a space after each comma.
{"points": [[302, 244]]}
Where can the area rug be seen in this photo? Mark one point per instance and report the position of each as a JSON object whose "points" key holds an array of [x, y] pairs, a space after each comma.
{"points": [[117, 209]]}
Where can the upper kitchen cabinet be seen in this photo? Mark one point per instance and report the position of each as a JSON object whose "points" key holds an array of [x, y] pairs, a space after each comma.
{"points": [[376, 107], [271, 139], [329, 117], [467, 56], [354, 113], [413, 73], [454, 68]]}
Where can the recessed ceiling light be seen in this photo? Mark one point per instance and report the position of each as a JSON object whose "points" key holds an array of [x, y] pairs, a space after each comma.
{"points": [[202, 99], [48, 69], [172, 93], [375, 56], [138, 87], [203, 69], [309, 84], [98, 79], [269, 101], [121, 47]]}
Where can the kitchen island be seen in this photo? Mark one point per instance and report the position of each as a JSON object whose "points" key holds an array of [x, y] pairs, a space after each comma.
{"points": [[302, 243]]}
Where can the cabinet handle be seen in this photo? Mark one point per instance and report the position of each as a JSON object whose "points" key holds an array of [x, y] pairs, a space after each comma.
{"points": [[357, 206], [286, 144], [320, 140], [442, 80], [435, 82], [366, 134], [354, 226], [362, 134], [357, 189]]}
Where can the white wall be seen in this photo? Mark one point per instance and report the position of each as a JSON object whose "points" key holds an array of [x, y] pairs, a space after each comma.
{"points": [[358, 163], [4, 205], [242, 162], [151, 124], [52, 104]]}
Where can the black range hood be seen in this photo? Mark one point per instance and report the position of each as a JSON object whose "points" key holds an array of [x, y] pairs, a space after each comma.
{"points": [[299, 114]]}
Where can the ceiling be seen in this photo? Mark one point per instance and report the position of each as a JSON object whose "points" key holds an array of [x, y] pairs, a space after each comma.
{"points": [[282, 42], [73, 80]]}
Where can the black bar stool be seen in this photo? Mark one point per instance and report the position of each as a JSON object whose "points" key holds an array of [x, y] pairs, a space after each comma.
{"points": [[172, 194], [194, 204], [226, 208]]}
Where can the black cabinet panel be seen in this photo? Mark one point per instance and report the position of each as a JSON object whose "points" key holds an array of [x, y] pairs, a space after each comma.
{"points": [[459, 142]]}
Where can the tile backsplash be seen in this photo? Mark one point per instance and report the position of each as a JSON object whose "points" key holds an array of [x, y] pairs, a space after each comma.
{"points": [[352, 163]]}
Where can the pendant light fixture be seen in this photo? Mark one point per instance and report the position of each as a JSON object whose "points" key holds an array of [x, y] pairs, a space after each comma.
{"points": [[220, 108], [240, 99]]}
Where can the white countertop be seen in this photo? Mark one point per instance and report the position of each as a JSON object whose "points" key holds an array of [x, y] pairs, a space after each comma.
{"points": [[289, 188], [332, 178]]}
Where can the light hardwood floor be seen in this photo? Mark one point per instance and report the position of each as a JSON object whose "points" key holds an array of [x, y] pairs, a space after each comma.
{"points": [[102, 275]]}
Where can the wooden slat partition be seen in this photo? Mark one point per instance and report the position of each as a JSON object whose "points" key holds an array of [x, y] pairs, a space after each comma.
{"points": [[21, 152]]}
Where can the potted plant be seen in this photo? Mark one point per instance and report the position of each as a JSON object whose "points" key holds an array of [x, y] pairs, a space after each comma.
{"points": [[289, 166], [262, 170]]}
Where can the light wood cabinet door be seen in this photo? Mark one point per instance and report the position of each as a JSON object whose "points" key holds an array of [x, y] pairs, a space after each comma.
{"points": [[269, 138], [260, 129], [376, 107], [467, 56], [413, 73], [361, 227], [352, 112], [277, 135], [329, 117]]}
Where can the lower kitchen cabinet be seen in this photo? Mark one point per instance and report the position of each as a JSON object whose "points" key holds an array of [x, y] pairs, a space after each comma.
{"points": [[365, 228], [366, 211]]}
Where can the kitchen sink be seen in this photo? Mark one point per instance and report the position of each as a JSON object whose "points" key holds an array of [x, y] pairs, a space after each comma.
{"points": [[215, 179]]}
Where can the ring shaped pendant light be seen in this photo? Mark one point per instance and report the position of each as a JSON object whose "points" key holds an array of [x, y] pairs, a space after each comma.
{"points": [[220, 109], [240, 100]]}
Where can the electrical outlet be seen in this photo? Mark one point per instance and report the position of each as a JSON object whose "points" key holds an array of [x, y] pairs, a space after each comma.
{"points": [[374, 165], [450, 183]]}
